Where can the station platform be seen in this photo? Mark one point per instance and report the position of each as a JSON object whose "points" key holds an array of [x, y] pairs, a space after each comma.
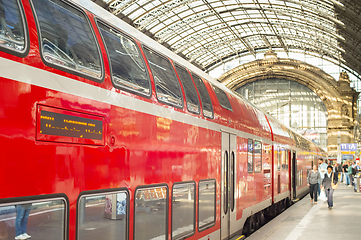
{"points": [[304, 220]]}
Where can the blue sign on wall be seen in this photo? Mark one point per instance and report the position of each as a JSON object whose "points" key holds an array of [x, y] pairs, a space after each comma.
{"points": [[352, 147]]}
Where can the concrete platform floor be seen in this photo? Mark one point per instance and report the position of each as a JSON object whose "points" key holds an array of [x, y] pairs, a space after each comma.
{"points": [[304, 220]]}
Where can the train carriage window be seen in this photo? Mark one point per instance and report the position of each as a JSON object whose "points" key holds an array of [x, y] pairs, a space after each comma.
{"points": [[206, 204], [129, 71], [183, 210], [284, 159], [166, 83], [12, 36], [189, 89], [222, 98], [250, 156], [257, 156], [103, 216], [150, 213], [205, 99], [38, 219], [66, 38]]}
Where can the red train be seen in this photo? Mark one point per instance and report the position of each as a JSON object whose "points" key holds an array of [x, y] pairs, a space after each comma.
{"points": [[106, 134]]}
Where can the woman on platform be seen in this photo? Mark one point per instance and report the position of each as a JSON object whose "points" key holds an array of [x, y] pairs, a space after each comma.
{"points": [[313, 179], [330, 177]]}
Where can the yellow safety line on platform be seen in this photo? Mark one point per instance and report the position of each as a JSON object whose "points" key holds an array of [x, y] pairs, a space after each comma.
{"points": [[241, 237]]}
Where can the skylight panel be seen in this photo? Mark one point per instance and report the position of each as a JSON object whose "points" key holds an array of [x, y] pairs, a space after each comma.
{"points": [[175, 39], [141, 2], [149, 6], [130, 9], [200, 8], [186, 14], [157, 27], [137, 13], [153, 24], [168, 22]]}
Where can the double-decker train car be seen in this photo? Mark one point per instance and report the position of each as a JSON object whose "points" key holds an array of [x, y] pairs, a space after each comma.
{"points": [[106, 134]]}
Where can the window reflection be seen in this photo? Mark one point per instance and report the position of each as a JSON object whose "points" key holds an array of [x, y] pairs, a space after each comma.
{"points": [[103, 216], [11, 26], [67, 38], [183, 210], [36, 220], [257, 156], [150, 213], [128, 67], [207, 204]]}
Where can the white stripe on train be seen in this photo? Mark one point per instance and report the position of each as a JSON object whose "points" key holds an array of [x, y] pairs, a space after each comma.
{"points": [[27, 74]]}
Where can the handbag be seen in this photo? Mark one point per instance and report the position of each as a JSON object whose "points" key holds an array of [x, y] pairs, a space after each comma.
{"points": [[334, 186], [322, 196]]}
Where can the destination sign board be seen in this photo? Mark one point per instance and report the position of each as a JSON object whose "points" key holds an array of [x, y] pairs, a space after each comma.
{"points": [[67, 126]]}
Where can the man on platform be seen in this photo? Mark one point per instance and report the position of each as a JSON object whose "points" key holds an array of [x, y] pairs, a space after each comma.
{"points": [[322, 168]]}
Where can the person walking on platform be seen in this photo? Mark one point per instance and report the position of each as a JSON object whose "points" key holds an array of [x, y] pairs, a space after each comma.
{"points": [[322, 168], [313, 179], [350, 174], [329, 179], [345, 170]]}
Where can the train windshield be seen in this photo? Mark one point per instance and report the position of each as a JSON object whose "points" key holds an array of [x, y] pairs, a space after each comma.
{"points": [[128, 68], [67, 39], [11, 26], [166, 83]]}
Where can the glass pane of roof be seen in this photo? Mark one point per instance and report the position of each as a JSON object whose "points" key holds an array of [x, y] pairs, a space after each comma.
{"points": [[184, 24]]}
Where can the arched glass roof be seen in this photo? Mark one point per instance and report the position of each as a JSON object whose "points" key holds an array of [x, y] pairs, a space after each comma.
{"points": [[208, 32]]}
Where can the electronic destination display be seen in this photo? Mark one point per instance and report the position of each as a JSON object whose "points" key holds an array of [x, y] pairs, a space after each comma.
{"points": [[67, 126], [70, 126]]}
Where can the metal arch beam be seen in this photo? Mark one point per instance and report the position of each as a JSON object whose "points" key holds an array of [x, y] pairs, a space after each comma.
{"points": [[114, 8], [162, 35], [317, 26], [146, 18], [274, 31], [312, 15], [250, 49], [287, 12], [239, 54], [207, 66], [220, 43], [186, 43]]}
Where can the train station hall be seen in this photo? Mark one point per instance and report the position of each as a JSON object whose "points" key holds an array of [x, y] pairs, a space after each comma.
{"points": [[180, 119]]}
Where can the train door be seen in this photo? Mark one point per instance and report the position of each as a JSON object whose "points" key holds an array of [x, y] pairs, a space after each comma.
{"points": [[293, 175], [228, 209]]}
